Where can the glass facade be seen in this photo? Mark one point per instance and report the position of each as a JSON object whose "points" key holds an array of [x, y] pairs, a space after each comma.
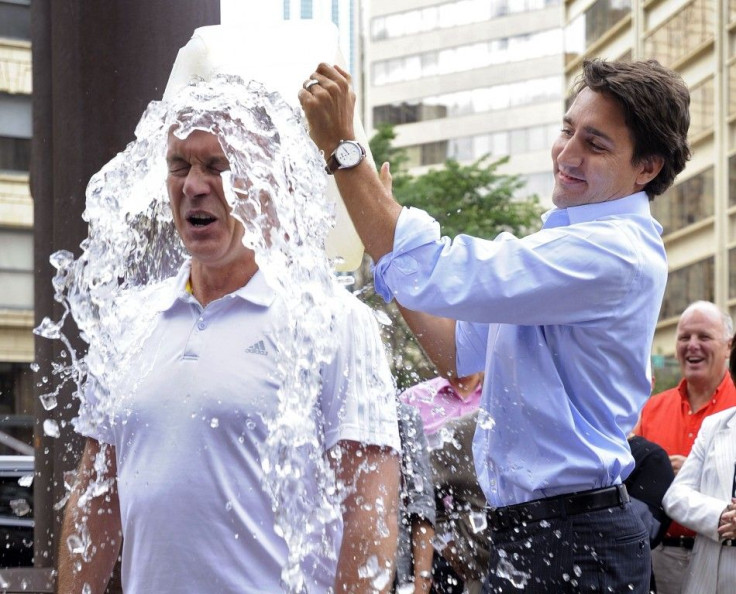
{"points": [[498, 144], [467, 57], [592, 24], [688, 284], [686, 203], [538, 90], [682, 33], [450, 14]]}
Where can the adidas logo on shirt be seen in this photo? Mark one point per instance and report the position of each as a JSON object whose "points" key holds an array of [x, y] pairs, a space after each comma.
{"points": [[257, 348]]}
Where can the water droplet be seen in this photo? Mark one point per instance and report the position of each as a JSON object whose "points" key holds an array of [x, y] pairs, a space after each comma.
{"points": [[507, 571], [485, 420], [49, 401], [51, 428], [382, 317], [48, 329], [214, 422], [478, 521], [20, 507]]}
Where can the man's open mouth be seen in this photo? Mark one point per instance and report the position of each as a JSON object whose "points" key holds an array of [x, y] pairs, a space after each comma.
{"points": [[200, 220]]}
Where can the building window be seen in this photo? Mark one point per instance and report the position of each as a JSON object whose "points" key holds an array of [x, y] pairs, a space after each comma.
{"points": [[306, 12], [15, 132], [450, 14], [732, 273], [686, 285], [527, 92], [732, 89], [591, 25], [16, 269], [16, 403], [467, 57], [682, 33], [686, 203], [497, 144], [702, 107], [15, 19], [540, 184], [732, 180], [15, 154]]}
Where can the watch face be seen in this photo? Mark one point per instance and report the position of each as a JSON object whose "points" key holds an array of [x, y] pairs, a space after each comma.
{"points": [[348, 154]]}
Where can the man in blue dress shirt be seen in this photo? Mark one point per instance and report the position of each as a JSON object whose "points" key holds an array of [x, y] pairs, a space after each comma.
{"points": [[561, 321]]}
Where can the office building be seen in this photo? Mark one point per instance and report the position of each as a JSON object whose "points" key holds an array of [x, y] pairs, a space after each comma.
{"points": [[696, 38], [464, 78]]}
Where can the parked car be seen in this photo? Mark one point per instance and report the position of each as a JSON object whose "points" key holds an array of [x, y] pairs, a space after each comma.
{"points": [[16, 511]]}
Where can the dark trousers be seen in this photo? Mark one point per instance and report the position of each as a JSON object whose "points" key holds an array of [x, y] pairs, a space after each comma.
{"points": [[601, 551]]}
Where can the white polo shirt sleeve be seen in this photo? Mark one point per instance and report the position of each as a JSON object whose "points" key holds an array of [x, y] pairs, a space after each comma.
{"points": [[359, 395]]}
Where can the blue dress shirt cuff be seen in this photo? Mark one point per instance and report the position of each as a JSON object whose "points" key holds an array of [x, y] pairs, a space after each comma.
{"points": [[414, 228]]}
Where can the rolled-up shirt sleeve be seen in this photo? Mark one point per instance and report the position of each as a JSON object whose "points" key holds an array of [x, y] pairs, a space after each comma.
{"points": [[559, 275]]}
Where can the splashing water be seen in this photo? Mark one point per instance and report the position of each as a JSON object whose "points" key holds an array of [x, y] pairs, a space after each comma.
{"points": [[505, 569], [275, 187]]}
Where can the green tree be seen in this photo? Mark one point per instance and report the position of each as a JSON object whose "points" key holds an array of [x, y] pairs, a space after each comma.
{"points": [[474, 199]]}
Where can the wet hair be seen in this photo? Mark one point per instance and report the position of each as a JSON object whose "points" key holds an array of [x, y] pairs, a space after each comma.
{"points": [[655, 103]]}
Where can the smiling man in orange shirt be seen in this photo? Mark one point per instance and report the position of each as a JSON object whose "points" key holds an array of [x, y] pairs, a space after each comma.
{"points": [[673, 418]]}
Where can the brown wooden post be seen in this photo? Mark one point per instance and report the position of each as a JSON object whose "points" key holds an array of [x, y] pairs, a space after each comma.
{"points": [[96, 65]]}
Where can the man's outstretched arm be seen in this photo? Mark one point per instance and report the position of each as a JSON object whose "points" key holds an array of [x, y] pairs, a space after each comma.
{"points": [[91, 524]]}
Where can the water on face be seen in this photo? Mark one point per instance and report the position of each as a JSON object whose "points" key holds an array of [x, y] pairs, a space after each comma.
{"points": [[275, 187]]}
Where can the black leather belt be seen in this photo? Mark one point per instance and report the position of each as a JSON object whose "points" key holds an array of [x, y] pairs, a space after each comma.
{"points": [[560, 506], [684, 542], [687, 542]]}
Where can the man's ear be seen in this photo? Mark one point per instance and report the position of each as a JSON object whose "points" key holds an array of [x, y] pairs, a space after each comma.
{"points": [[649, 168]]}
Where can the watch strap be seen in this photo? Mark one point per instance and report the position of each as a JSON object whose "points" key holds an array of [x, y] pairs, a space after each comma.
{"points": [[333, 164]]}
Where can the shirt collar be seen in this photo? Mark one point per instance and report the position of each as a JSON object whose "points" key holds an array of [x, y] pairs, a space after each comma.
{"points": [[682, 389], [634, 204], [257, 290]]}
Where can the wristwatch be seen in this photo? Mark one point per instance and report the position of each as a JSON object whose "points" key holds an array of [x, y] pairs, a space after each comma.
{"points": [[347, 155]]}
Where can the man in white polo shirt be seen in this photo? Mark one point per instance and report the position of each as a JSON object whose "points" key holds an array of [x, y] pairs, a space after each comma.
{"points": [[177, 438]]}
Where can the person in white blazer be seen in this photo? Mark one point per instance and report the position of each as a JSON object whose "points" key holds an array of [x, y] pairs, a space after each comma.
{"points": [[702, 499]]}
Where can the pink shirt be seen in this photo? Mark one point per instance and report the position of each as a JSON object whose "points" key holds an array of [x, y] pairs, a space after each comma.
{"points": [[437, 402]]}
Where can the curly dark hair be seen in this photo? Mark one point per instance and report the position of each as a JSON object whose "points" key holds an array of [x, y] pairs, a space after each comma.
{"points": [[656, 107]]}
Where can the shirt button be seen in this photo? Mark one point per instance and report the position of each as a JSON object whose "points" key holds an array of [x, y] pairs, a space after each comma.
{"points": [[201, 325]]}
